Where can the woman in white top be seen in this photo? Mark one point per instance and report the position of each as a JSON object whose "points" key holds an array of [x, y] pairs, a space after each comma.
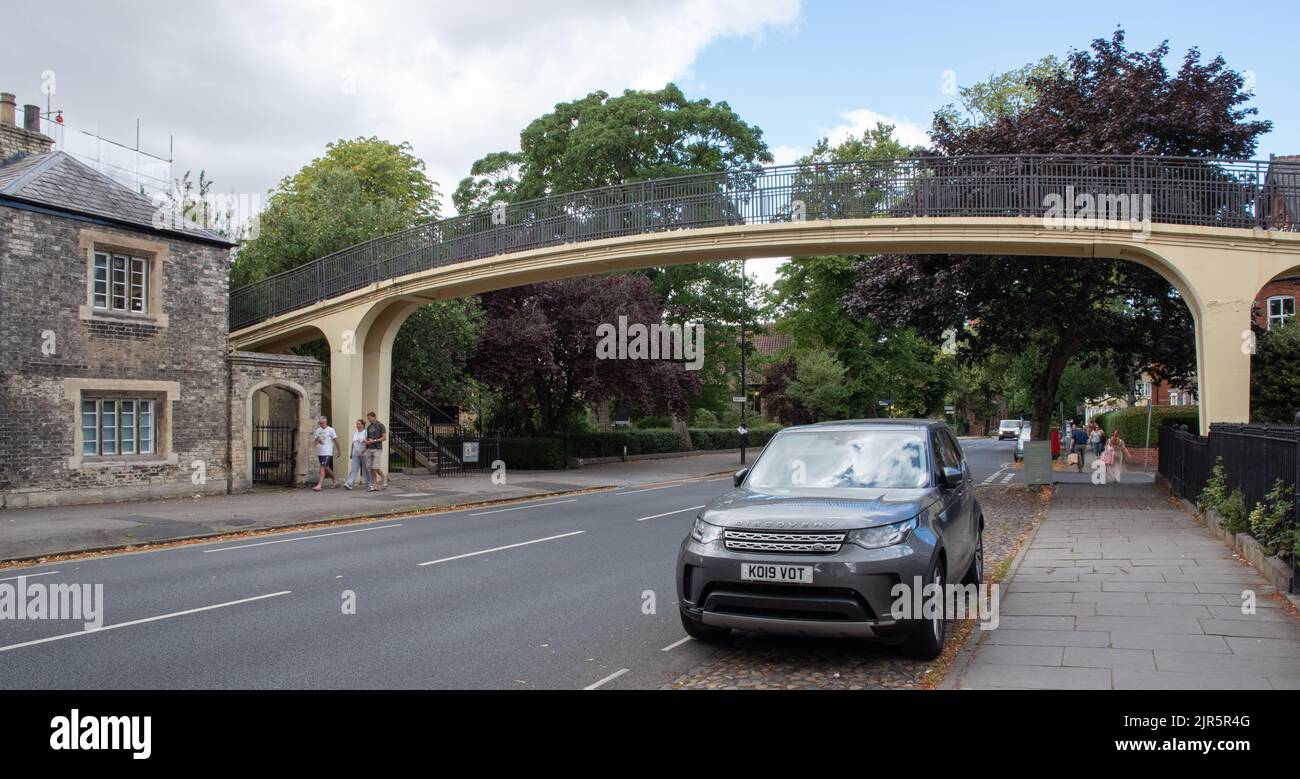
{"points": [[358, 456]]}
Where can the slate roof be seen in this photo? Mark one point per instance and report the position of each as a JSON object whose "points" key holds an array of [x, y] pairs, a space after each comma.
{"points": [[59, 181]]}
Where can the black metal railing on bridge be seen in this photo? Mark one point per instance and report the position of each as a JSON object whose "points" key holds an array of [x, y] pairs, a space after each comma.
{"points": [[1254, 458], [1223, 193]]}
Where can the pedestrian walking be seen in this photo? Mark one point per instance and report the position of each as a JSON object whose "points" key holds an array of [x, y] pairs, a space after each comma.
{"points": [[358, 456], [1097, 438], [1115, 455], [1078, 446], [376, 433], [327, 446]]}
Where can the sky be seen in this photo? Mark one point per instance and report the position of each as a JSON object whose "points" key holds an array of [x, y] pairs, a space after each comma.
{"points": [[249, 92]]}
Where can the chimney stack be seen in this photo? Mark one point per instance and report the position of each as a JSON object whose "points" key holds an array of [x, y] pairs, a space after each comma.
{"points": [[17, 141]]}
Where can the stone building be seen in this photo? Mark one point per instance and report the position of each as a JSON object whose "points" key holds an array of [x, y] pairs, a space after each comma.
{"points": [[116, 381]]}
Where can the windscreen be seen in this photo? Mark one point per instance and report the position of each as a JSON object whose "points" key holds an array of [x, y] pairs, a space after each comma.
{"points": [[859, 459]]}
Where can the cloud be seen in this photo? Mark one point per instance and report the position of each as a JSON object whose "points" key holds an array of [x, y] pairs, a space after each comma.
{"points": [[251, 92], [854, 124], [860, 120]]}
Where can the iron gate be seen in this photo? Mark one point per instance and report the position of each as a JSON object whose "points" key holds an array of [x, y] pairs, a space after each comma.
{"points": [[275, 453]]}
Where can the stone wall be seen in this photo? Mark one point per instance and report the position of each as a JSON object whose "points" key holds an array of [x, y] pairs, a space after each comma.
{"points": [[300, 380], [56, 348]]}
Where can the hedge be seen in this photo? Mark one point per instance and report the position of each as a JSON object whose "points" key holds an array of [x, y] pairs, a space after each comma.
{"points": [[706, 438], [532, 453], [611, 443], [1132, 422]]}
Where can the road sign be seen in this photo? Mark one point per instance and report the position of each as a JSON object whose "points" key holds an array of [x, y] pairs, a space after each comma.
{"points": [[950, 409], [737, 400]]}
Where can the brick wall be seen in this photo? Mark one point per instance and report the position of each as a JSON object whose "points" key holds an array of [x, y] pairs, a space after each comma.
{"points": [[47, 341], [1289, 287]]}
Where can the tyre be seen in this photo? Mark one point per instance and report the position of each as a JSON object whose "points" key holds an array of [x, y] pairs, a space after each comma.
{"points": [[927, 639], [975, 574], [702, 632]]}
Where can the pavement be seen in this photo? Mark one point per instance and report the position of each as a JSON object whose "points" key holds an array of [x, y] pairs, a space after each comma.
{"points": [[1118, 588], [32, 533], [994, 464]]}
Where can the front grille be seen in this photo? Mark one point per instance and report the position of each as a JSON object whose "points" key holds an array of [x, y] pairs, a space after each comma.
{"points": [[797, 543]]}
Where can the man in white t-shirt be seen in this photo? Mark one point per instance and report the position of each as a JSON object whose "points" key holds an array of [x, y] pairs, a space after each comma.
{"points": [[327, 445]]}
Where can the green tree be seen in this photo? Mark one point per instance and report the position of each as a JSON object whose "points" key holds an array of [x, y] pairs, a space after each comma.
{"points": [[819, 384], [807, 302], [602, 140], [1002, 95], [1105, 100], [1275, 375], [357, 190]]}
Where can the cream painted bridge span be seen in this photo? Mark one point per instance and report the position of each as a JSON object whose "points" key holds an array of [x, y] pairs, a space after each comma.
{"points": [[978, 208]]}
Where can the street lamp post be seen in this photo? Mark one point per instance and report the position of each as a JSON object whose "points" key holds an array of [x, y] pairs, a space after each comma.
{"points": [[744, 377]]}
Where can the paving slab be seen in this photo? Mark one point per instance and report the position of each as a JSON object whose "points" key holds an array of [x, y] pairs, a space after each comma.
{"points": [[1119, 589]]}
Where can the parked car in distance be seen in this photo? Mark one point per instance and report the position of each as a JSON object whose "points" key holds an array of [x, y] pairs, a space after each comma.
{"points": [[814, 537], [1009, 428], [1019, 452]]}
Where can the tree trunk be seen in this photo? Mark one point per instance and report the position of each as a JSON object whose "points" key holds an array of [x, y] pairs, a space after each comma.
{"points": [[1049, 381]]}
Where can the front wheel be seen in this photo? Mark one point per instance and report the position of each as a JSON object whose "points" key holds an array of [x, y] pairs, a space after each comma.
{"points": [[702, 632], [927, 639]]}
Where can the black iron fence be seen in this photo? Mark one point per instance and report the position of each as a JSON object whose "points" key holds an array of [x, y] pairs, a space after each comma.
{"points": [[1254, 458], [275, 453], [1172, 190]]}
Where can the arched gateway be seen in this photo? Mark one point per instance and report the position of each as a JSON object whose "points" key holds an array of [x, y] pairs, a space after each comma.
{"points": [[1217, 230]]}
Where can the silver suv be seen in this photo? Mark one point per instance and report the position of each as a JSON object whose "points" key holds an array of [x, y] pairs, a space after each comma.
{"points": [[815, 536]]}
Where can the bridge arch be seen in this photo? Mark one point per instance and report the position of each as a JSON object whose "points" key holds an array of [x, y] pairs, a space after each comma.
{"points": [[1211, 228]]}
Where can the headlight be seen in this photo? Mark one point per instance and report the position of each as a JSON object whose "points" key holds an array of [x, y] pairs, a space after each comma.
{"points": [[704, 532], [884, 535]]}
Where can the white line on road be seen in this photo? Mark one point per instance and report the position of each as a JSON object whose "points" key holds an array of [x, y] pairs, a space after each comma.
{"points": [[529, 506], [675, 644], [499, 548], [669, 513], [609, 678], [647, 489], [27, 576], [302, 538], [1007, 479], [143, 621]]}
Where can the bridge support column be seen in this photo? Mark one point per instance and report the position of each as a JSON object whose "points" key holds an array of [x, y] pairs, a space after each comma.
{"points": [[345, 333], [1219, 286]]}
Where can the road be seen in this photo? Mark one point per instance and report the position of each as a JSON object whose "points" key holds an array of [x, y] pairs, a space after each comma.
{"points": [[992, 461], [567, 592]]}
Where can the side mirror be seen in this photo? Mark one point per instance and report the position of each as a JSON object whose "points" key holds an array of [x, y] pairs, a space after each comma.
{"points": [[739, 476], [952, 476]]}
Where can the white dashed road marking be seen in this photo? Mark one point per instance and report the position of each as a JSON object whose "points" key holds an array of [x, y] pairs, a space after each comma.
{"points": [[499, 548], [609, 678], [62, 636], [529, 506], [669, 513]]}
